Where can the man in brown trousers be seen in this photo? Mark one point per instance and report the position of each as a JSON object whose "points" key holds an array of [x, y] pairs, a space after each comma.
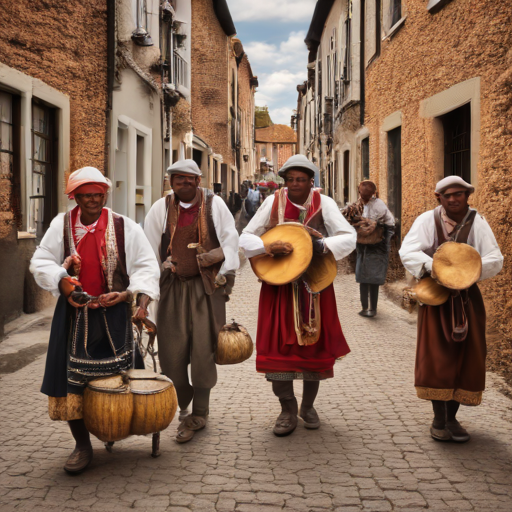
{"points": [[194, 237]]}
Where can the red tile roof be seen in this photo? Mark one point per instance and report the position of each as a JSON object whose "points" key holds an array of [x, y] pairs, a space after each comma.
{"points": [[276, 133]]}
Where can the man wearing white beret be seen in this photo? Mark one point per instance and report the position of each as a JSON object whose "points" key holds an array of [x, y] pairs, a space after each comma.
{"points": [[193, 235], [450, 359]]}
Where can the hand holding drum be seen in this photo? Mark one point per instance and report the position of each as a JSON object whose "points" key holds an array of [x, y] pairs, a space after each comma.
{"points": [[278, 248], [455, 267]]}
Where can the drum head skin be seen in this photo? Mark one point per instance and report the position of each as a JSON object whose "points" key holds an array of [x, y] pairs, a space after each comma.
{"points": [[149, 387], [111, 384], [284, 269], [141, 374], [427, 291], [321, 272], [457, 266]]}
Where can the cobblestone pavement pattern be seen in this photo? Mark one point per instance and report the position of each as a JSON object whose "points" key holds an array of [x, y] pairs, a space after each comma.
{"points": [[373, 451]]}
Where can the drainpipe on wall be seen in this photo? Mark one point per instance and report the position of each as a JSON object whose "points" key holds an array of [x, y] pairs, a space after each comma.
{"points": [[111, 64]]}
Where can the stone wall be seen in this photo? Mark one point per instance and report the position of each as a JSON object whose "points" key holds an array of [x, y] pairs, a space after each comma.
{"points": [[430, 54], [209, 77]]}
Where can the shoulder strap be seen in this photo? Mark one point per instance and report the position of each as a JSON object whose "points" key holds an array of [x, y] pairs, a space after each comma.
{"points": [[119, 231], [439, 227], [66, 234], [464, 230]]}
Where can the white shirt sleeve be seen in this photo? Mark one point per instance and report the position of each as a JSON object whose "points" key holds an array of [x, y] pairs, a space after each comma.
{"points": [[250, 240], [46, 263], [226, 233], [342, 236], [483, 240], [141, 264], [419, 239], [154, 226]]}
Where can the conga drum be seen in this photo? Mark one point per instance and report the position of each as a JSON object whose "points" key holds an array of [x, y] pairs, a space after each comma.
{"points": [[456, 266], [108, 408], [154, 402]]}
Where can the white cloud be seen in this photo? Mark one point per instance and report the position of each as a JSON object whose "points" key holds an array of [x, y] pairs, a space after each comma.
{"points": [[281, 115], [278, 91], [267, 10], [290, 54]]}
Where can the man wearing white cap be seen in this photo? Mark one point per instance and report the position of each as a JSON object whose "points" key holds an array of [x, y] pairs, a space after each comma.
{"points": [[95, 261], [288, 350], [450, 367], [193, 234]]}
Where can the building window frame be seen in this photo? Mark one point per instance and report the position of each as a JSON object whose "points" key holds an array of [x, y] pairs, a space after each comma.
{"points": [[29, 88], [434, 6], [394, 14], [43, 179], [446, 101]]}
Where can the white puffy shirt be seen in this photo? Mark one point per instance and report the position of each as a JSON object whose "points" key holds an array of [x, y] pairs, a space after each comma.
{"points": [[141, 265], [422, 237], [341, 240]]}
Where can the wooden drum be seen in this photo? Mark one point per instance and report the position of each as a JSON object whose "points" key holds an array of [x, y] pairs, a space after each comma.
{"points": [[108, 408], [154, 402]]}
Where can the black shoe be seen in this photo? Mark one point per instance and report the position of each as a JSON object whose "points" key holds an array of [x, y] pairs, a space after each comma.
{"points": [[371, 313], [363, 312]]}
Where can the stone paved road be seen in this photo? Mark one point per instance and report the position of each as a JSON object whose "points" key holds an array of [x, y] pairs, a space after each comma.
{"points": [[373, 451]]}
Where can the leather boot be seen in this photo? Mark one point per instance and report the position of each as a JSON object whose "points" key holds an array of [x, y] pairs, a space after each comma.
{"points": [[307, 411], [286, 422]]}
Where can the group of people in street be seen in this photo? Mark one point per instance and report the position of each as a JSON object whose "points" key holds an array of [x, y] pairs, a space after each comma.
{"points": [[99, 263]]}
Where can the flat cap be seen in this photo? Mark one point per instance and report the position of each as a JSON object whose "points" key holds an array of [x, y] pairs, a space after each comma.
{"points": [[453, 181], [187, 166], [299, 163]]}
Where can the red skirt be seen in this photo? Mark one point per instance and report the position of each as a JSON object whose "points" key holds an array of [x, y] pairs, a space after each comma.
{"points": [[276, 342]]}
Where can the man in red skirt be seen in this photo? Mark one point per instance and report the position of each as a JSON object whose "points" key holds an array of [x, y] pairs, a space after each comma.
{"points": [[282, 354]]}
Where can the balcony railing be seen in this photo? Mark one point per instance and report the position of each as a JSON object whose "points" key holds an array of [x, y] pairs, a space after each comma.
{"points": [[180, 69]]}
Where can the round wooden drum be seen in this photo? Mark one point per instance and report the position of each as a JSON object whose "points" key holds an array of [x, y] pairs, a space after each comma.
{"points": [[456, 266], [108, 408], [427, 291], [154, 404], [321, 272], [284, 269]]}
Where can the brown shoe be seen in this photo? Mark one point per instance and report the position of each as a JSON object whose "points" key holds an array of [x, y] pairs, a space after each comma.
{"points": [[440, 434], [310, 418], [286, 423], [79, 459], [457, 432], [188, 427]]}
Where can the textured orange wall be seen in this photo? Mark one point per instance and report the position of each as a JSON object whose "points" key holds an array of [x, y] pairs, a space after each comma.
{"points": [[429, 54]]}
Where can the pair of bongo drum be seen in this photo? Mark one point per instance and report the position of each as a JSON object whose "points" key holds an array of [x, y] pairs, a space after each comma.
{"points": [[138, 402], [455, 266]]}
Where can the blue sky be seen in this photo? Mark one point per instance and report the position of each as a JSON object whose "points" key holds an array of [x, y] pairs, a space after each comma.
{"points": [[273, 32]]}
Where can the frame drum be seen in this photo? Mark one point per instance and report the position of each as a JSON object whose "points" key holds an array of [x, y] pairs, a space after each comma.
{"points": [[456, 266], [284, 269]]}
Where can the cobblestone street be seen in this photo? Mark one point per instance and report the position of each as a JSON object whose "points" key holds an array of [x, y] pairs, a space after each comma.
{"points": [[373, 451]]}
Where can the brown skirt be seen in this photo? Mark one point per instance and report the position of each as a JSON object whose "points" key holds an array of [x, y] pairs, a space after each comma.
{"points": [[448, 370], [65, 408]]}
